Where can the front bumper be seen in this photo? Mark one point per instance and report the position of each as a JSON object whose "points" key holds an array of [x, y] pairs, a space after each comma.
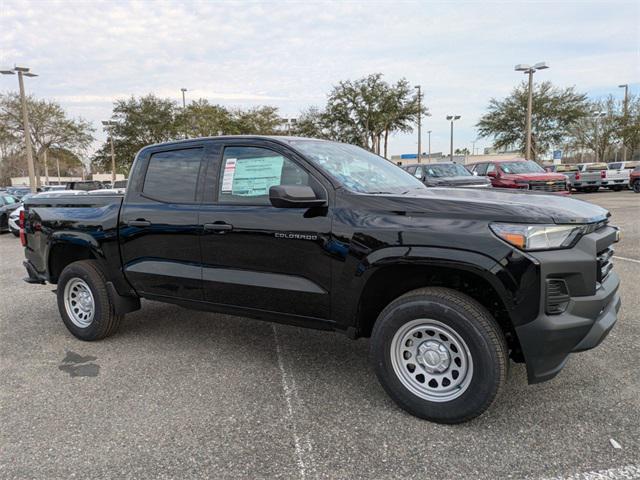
{"points": [[549, 339], [590, 313]]}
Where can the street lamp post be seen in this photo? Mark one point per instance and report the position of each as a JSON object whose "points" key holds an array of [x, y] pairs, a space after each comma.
{"points": [[108, 124], [429, 147], [452, 118], [419, 88], [184, 106], [625, 112], [184, 101], [24, 72], [522, 67]]}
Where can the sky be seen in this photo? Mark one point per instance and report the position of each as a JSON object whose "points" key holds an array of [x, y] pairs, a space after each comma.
{"points": [[290, 54]]}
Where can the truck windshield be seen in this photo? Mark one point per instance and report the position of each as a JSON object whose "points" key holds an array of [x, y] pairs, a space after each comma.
{"points": [[357, 169], [521, 167], [447, 170]]}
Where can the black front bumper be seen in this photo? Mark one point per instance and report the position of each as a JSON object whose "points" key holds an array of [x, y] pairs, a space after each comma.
{"points": [[591, 310], [549, 339]]}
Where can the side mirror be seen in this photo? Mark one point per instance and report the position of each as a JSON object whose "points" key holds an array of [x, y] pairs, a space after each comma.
{"points": [[294, 196], [493, 174], [475, 174]]}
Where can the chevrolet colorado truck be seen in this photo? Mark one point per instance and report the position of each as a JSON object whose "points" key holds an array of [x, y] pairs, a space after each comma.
{"points": [[448, 283]]}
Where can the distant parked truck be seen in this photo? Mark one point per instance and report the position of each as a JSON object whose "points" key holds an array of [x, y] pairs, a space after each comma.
{"points": [[634, 179], [85, 185], [589, 177], [617, 176], [568, 171]]}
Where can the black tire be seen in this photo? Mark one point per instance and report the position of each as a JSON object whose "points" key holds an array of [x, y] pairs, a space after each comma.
{"points": [[636, 186], [16, 233], [471, 322], [105, 322]]}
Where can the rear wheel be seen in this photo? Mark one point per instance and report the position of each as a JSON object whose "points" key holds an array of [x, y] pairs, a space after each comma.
{"points": [[84, 303], [439, 354], [636, 186]]}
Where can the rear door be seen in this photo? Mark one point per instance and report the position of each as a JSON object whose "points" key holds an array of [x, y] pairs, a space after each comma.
{"points": [[159, 231], [256, 256]]}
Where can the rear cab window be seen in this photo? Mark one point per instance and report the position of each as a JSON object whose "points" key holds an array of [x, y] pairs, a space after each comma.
{"points": [[172, 176]]}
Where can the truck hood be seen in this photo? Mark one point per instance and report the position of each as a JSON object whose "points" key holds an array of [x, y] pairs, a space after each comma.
{"points": [[534, 177], [494, 204], [457, 181]]}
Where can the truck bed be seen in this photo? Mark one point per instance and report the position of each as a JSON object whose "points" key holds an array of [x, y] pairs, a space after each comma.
{"points": [[75, 219]]}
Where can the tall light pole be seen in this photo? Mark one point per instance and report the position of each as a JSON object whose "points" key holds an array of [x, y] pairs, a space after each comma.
{"points": [[24, 72], [429, 150], [184, 107], [452, 118], [597, 116], [625, 112], [419, 88], [184, 101], [108, 124], [522, 67]]}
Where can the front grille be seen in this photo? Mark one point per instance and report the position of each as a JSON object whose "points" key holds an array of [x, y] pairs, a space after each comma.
{"points": [[554, 186], [605, 265]]}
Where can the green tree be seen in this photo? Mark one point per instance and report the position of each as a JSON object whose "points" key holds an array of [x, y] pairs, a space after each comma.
{"points": [[555, 112], [256, 121], [366, 110], [49, 127], [629, 130], [202, 119], [310, 123], [138, 122], [595, 132]]}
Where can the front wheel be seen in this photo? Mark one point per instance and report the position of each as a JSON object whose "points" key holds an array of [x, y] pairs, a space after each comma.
{"points": [[84, 303], [636, 186], [439, 354]]}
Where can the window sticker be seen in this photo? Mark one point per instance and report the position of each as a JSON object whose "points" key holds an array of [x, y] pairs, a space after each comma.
{"points": [[228, 174], [253, 177]]}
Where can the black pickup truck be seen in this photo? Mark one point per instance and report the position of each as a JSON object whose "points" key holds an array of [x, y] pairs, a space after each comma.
{"points": [[448, 283]]}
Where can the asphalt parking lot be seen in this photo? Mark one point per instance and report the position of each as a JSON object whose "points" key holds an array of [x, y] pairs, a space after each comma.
{"points": [[184, 394]]}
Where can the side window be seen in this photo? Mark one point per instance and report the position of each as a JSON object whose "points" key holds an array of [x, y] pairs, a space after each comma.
{"points": [[490, 168], [172, 176], [411, 170], [481, 169], [249, 172], [418, 173]]}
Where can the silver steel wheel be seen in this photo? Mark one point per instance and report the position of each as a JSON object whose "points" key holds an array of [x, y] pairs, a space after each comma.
{"points": [[79, 302], [431, 360]]}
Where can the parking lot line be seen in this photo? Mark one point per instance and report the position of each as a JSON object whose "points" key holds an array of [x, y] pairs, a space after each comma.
{"points": [[628, 472], [626, 259], [290, 392]]}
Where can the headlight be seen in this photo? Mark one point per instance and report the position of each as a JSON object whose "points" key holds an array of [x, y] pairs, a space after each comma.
{"points": [[537, 237]]}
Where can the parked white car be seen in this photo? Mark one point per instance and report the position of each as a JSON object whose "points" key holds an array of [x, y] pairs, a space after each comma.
{"points": [[617, 175]]}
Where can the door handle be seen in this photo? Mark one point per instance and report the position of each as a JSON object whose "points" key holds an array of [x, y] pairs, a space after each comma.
{"points": [[218, 227], [139, 223]]}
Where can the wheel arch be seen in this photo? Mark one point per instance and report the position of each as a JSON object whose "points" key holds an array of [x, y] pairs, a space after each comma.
{"points": [[65, 248], [477, 279]]}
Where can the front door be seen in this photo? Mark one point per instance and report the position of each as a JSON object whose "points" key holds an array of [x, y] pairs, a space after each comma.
{"points": [[159, 229], [256, 256]]}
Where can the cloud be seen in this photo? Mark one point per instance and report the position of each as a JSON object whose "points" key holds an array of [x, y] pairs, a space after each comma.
{"points": [[289, 54]]}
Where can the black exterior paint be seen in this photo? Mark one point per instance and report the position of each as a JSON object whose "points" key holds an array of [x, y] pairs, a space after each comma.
{"points": [[308, 267]]}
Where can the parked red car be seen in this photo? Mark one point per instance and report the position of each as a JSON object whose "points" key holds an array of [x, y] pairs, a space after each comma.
{"points": [[634, 179], [521, 174]]}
